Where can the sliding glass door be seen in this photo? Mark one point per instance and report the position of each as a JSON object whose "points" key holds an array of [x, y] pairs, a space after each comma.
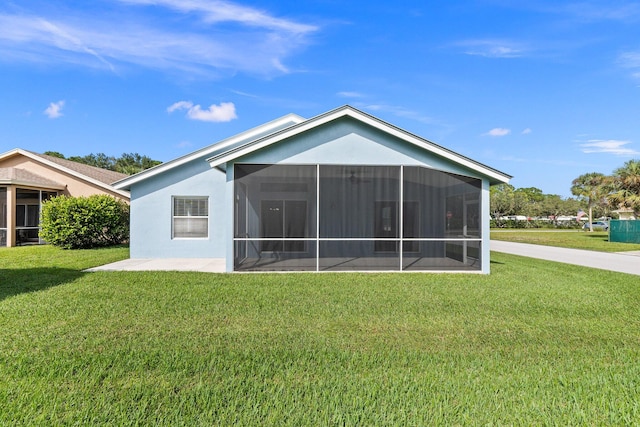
{"points": [[283, 219]]}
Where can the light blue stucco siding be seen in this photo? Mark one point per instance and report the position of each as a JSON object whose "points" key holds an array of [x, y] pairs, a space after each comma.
{"points": [[151, 213], [349, 142]]}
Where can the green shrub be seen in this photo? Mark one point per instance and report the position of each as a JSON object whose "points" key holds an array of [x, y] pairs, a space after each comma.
{"points": [[84, 222], [513, 224]]}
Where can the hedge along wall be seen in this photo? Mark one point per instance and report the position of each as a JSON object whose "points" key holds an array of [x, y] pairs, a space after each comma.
{"points": [[624, 231]]}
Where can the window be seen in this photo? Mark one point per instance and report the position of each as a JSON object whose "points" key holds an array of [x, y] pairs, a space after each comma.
{"points": [[27, 215], [190, 217]]}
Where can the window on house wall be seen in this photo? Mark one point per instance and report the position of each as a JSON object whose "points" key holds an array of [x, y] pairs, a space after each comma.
{"points": [[190, 217]]}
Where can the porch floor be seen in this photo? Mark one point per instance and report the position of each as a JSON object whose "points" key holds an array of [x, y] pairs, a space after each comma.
{"points": [[217, 265], [357, 264]]}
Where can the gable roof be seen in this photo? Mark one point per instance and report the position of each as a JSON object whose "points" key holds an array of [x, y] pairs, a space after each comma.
{"points": [[290, 125], [219, 160], [212, 150], [101, 177]]}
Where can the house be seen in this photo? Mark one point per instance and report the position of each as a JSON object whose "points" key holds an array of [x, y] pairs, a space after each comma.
{"points": [[343, 191], [27, 179], [625, 214]]}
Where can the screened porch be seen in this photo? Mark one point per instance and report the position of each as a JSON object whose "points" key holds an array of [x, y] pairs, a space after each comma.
{"points": [[25, 205], [355, 218]]}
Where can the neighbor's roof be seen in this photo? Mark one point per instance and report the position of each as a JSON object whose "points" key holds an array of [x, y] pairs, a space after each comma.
{"points": [[101, 177], [16, 176], [219, 160]]}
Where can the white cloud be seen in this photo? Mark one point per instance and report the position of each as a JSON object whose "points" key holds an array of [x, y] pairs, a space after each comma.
{"points": [[498, 132], [179, 106], [526, 131], [225, 112], [631, 60], [585, 10], [248, 95], [493, 48], [54, 110], [215, 11], [213, 37], [610, 146], [604, 11]]}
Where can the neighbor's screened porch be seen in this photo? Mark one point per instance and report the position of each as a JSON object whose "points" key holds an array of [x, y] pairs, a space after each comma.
{"points": [[355, 218], [27, 207]]}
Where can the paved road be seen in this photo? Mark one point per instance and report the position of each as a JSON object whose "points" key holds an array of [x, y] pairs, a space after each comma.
{"points": [[624, 262]]}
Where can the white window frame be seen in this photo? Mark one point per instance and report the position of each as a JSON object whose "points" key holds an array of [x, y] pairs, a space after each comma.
{"points": [[174, 217]]}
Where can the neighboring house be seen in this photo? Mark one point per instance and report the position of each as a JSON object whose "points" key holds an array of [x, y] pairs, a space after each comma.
{"points": [[625, 214], [343, 191], [27, 179]]}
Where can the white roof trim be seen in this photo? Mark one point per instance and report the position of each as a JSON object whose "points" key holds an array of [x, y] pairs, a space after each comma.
{"points": [[251, 133], [348, 111], [78, 175]]}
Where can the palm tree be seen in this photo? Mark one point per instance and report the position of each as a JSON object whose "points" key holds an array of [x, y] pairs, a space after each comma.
{"points": [[589, 186], [626, 187]]}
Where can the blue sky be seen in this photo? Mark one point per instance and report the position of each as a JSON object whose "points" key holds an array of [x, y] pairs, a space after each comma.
{"points": [[542, 90]]}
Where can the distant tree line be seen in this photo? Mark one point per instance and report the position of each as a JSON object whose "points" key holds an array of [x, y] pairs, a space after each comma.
{"points": [[539, 208], [596, 193], [127, 163]]}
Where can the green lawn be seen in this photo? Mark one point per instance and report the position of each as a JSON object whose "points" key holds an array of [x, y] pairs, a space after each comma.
{"points": [[578, 239], [534, 343]]}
